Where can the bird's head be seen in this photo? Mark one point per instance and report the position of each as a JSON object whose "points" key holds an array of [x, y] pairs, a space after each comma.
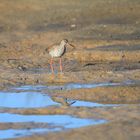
{"points": [[65, 42]]}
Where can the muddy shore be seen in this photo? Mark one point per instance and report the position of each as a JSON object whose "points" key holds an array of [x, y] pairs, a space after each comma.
{"points": [[107, 39]]}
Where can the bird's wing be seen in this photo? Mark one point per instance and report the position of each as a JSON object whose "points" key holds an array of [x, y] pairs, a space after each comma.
{"points": [[52, 47]]}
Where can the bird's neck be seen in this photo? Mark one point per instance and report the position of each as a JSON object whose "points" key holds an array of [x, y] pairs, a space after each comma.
{"points": [[62, 44]]}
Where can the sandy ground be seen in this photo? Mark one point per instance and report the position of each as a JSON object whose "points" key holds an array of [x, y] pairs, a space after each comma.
{"points": [[107, 39]]}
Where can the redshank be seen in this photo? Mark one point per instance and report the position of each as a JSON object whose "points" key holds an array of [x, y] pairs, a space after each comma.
{"points": [[57, 51]]}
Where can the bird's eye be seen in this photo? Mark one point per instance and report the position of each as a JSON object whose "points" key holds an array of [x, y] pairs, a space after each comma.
{"points": [[65, 40]]}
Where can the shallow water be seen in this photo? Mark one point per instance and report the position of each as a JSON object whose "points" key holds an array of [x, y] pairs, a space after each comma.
{"points": [[32, 99], [66, 86], [30, 96], [70, 86], [66, 121], [91, 104], [25, 100], [60, 122], [15, 133]]}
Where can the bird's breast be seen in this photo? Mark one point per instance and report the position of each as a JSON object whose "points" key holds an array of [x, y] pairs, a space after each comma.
{"points": [[57, 51]]}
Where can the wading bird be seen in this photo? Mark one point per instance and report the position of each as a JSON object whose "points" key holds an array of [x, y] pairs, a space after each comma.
{"points": [[57, 51]]}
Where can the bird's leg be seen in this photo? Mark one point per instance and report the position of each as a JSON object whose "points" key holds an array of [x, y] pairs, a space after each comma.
{"points": [[51, 65], [60, 61]]}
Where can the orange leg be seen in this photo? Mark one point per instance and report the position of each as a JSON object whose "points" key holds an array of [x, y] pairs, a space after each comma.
{"points": [[51, 65], [60, 61]]}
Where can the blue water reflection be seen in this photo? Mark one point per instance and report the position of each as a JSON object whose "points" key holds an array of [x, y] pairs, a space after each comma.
{"points": [[61, 122], [66, 86], [37, 100], [66, 121], [30, 96], [25, 100], [91, 104], [15, 133]]}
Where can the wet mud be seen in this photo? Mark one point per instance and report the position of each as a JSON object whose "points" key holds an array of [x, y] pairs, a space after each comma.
{"points": [[96, 96]]}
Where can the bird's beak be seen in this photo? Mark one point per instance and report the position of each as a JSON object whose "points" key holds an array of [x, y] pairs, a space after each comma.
{"points": [[71, 45]]}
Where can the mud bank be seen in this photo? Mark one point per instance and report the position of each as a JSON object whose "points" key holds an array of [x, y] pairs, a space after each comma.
{"points": [[110, 94], [106, 35], [119, 118]]}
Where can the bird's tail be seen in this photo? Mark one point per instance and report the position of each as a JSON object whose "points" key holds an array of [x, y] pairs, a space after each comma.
{"points": [[46, 50]]}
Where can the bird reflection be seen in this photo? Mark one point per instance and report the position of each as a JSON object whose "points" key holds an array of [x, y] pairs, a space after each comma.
{"points": [[63, 101]]}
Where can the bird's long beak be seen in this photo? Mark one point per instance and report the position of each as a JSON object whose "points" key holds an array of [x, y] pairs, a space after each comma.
{"points": [[71, 45]]}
